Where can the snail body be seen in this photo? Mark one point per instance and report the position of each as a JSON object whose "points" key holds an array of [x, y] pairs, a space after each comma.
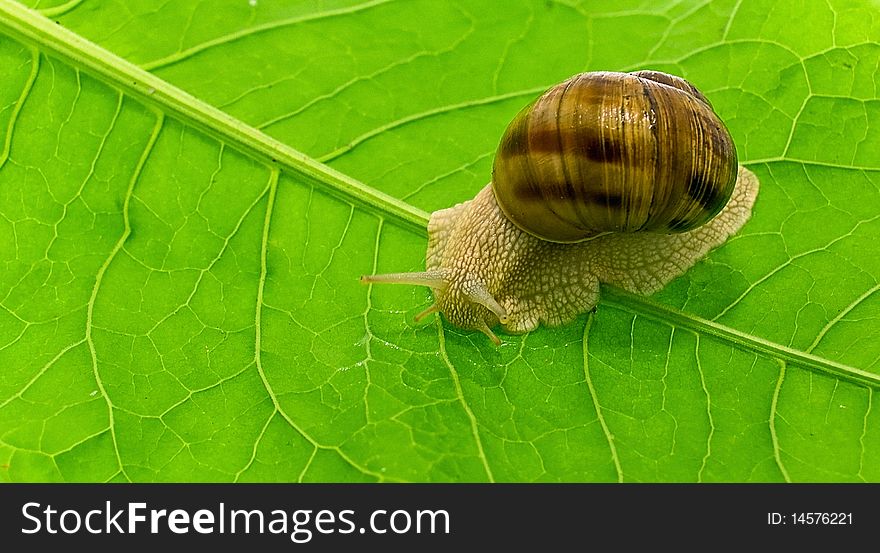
{"points": [[622, 178]]}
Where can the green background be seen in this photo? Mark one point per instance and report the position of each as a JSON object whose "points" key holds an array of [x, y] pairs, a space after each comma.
{"points": [[179, 295]]}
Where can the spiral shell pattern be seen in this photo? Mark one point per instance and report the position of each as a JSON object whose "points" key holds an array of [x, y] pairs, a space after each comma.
{"points": [[618, 152]]}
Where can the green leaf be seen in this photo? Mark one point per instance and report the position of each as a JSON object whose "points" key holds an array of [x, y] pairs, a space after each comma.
{"points": [[179, 295]]}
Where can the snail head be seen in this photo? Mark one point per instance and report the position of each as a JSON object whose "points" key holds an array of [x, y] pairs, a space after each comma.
{"points": [[465, 302]]}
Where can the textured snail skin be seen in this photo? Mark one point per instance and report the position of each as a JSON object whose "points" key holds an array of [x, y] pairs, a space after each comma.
{"points": [[474, 246]]}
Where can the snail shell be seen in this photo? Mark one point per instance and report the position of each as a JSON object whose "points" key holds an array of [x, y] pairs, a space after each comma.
{"points": [[622, 178], [618, 152]]}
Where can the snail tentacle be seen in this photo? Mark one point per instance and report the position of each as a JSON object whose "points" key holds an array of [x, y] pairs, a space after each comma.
{"points": [[480, 295], [433, 308], [484, 328], [431, 279]]}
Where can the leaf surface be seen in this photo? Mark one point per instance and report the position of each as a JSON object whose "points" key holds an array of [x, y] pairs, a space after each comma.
{"points": [[179, 296]]}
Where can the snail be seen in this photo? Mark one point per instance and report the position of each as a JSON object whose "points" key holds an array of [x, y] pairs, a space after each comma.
{"points": [[623, 178]]}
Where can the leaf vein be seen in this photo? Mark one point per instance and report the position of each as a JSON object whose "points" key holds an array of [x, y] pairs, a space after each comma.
{"points": [[458, 391], [774, 438], [843, 313], [258, 359], [864, 433], [16, 110], [787, 263], [705, 388], [671, 316], [391, 125], [238, 35], [352, 82], [160, 119], [595, 398]]}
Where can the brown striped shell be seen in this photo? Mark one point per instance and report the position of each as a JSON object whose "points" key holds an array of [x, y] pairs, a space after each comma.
{"points": [[621, 152]]}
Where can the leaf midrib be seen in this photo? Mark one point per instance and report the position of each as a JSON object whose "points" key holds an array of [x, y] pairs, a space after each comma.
{"points": [[29, 26], [659, 312]]}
